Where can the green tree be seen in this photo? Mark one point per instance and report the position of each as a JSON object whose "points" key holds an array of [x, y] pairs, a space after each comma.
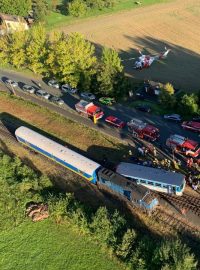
{"points": [[173, 255], [71, 59], [4, 49], [40, 9], [17, 7], [36, 49], [189, 104], [167, 100], [109, 71], [124, 249], [77, 8], [17, 51]]}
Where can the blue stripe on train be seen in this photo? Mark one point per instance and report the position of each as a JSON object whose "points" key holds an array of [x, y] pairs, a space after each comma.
{"points": [[91, 178]]}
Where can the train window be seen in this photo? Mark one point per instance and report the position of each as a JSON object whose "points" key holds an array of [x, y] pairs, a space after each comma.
{"points": [[165, 186], [143, 181], [150, 183], [157, 185]]}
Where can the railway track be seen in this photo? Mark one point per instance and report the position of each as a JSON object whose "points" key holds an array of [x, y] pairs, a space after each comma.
{"points": [[186, 202]]}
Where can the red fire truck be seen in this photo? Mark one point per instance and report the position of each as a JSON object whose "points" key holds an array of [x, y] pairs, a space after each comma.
{"points": [[143, 130], [88, 109], [191, 125], [182, 145]]}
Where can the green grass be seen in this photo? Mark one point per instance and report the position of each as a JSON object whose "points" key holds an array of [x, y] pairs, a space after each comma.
{"points": [[56, 19], [156, 107], [45, 245]]}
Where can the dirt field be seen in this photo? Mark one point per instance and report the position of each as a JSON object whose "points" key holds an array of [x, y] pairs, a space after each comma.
{"points": [[175, 25]]}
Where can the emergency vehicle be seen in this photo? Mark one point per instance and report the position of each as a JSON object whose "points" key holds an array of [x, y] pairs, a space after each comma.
{"points": [[89, 110], [143, 130], [182, 145], [191, 125]]}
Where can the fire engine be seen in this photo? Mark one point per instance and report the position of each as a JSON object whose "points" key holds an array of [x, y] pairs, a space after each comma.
{"points": [[182, 145], [88, 109], [143, 130], [191, 125]]}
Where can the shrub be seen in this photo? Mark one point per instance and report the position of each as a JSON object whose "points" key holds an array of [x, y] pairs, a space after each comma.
{"points": [[77, 8]]}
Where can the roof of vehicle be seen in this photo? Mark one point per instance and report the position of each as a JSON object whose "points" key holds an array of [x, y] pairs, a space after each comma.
{"points": [[192, 124], [184, 142], [141, 125], [41, 91], [82, 163], [149, 173], [172, 115], [113, 119]]}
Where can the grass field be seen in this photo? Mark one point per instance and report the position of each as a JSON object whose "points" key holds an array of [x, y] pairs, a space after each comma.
{"points": [[174, 24], [45, 245], [57, 19]]}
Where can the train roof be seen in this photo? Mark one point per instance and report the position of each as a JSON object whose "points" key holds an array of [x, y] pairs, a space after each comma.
{"points": [[138, 191], [150, 174], [65, 154]]}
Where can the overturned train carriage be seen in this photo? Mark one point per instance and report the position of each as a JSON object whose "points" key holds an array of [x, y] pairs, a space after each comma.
{"points": [[136, 194], [88, 169]]}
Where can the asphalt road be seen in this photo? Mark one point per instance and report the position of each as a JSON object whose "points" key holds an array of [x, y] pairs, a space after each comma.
{"points": [[124, 113]]}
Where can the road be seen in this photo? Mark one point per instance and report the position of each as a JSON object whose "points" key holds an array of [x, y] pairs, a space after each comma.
{"points": [[124, 113]]}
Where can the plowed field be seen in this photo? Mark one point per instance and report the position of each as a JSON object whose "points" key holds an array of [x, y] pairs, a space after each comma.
{"points": [[175, 25]]}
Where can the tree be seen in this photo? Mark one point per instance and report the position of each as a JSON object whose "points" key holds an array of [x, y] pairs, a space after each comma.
{"points": [[17, 43], [169, 88], [40, 9], [77, 8], [189, 104], [17, 7], [173, 255], [54, 4], [4, 49], [71, 59], [167, 100], [124, 249], [109, 71], [36, 50]]}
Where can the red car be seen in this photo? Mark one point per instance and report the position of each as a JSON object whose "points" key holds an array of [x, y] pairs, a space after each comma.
{"points": [[114, 121], [191, 125]]}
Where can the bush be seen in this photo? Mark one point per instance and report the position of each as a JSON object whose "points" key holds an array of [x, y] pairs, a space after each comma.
{"points": [[189, 104], [77, 8]]}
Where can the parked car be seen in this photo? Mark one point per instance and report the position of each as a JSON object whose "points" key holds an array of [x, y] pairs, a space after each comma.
{"points": [[56, 100], [66, 88], [107, 100], [143, 108], [42, 93], [54, 83], [173, 117], [114, 121], [196, 118], [88, 96], [11, 82], [29, 89]]}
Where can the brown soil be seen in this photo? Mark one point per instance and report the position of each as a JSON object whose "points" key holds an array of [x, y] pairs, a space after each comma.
{"points": [[175, 25]]}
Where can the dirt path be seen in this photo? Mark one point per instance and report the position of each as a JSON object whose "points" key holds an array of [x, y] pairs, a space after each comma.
{"points": [[175, 25]]}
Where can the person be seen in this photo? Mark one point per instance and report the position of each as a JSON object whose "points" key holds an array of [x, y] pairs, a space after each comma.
{"points": [[154, 151], [39, 84], [140, 150], [130, 153]]}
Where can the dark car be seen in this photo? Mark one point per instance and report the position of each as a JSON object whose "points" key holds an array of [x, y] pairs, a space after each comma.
{"points": [[173, 117], [143, 108], [196, 118], [114, 121]]}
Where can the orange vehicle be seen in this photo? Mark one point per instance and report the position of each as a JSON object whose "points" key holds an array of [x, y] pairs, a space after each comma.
{"points": [[89, 110]]}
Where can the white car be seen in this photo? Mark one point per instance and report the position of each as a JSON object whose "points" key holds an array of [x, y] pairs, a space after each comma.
{"points": [[88, 96], [173, 117], [42, 93], [10, 82], [54, 84], [66, 88], [56, 100], [29, 89]]}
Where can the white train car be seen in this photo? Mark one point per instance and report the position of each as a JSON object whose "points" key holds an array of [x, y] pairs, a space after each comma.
{"points": [[62, 155]]}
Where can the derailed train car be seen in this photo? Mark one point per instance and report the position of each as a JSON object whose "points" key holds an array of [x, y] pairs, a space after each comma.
{"points": [[92, 171]]}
